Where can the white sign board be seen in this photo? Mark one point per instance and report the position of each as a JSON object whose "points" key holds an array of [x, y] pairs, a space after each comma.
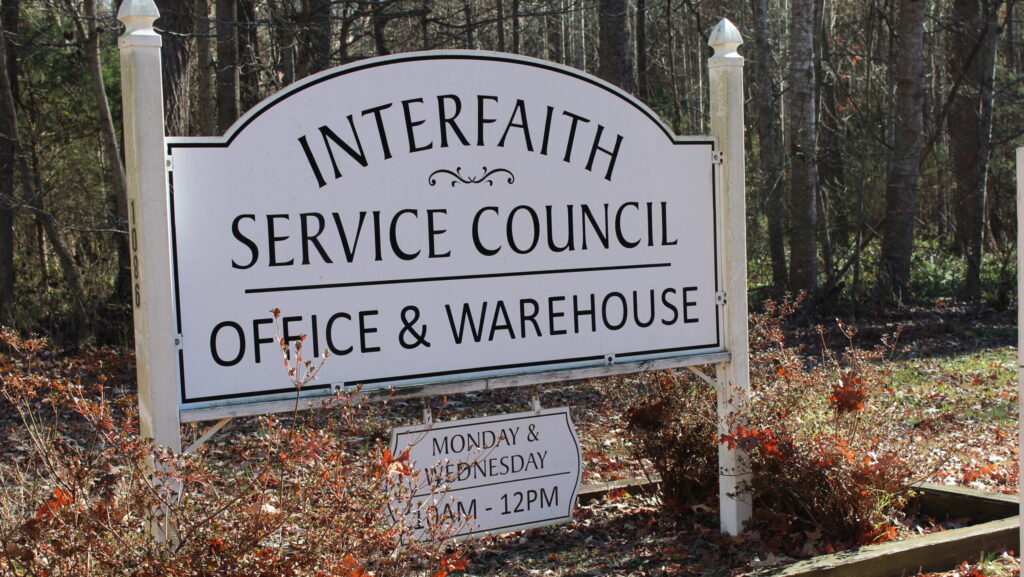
{"points": [[491, 474], [437, 217]]}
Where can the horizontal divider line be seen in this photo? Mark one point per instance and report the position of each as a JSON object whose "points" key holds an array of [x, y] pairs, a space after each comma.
{"points": [[505, 482], [455, 277]]}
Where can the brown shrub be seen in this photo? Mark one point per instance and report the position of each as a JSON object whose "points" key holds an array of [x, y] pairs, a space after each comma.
{"points": [[294, 499], [824, 438], [671, 420]]}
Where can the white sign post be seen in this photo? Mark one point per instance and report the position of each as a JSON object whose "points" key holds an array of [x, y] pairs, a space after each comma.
{"points": [[440, 222], [725, 72], [491, 474], [148, 229]]}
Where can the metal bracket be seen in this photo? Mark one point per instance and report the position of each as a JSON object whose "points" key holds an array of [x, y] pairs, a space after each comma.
{"points": [[720, 297], [609, 359], [428, 414], [207, 435], [717, 157], [169, 162], [703, 376], [535, 399], [178, 341]]}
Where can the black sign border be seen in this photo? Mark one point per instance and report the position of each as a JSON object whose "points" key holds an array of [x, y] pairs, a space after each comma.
{"points": [[563, 412], [285, 93]]}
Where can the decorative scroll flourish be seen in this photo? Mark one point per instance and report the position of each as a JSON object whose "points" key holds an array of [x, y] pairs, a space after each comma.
{"points": [[458, 177]]}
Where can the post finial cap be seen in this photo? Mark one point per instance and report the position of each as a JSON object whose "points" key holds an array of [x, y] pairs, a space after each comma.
{"points": [[725, 38], [138, 15]]}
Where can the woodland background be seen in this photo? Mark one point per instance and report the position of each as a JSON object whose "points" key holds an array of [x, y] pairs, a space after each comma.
{"points": [[881, 133]]}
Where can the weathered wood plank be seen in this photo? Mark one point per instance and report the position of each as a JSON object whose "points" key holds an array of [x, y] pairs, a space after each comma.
{"points": [[934, 552], [595, 491], [944, 502], [940, 551]]}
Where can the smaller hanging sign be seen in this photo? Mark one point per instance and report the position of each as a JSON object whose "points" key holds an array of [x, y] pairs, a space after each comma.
{"points": [[488, 475]]}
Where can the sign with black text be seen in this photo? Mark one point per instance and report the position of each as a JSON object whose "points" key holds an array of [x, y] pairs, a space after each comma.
{"points": [[490, 474], [437, 217]]}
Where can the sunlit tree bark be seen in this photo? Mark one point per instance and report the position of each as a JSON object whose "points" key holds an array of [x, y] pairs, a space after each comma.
{"points": [[803, 140], [971, 59], [613, 52], [901, 188], [770, 138], [9, 10], [177, 21]]}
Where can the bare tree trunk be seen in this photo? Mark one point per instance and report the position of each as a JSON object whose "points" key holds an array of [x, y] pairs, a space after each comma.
{"points": [[9, 113], [972, 49], [576, 43], [587, 65], [206, 105], [641, 49], [378, 21], [863, 234], [613, 49], [890, 77], [553, 35], [901, 188], [469, 42], [303, 52], [80, 320], [425, 24], [698, 97], [500, 7], [313, 28], [9, 15], [44, 273], [830, 140], [770, 149], [803, 138], [111, 149], [283, 35], [248, 55], [227, 63], [177, 21], [976, 241], [673, 71], [516, 46], [1012, 59], [321, 33]]}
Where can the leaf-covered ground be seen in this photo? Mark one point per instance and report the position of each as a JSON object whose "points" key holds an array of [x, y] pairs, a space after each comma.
{"points": [[954, 367]]}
